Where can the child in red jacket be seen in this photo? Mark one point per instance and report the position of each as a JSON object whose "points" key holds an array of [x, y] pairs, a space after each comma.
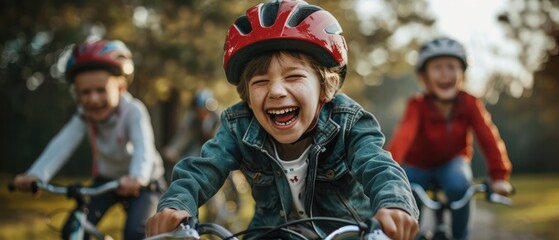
{"points": [[434, 140]]}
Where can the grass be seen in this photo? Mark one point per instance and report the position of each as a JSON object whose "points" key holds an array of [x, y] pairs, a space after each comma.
{"points": [[535, 210], [536, 206], [25, 217]]}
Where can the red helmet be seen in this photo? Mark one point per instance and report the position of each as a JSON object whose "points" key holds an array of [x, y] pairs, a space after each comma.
{"points": [[112, 56], [284, 25]]}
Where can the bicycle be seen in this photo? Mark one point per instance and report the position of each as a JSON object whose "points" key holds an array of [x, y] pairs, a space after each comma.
{"points": [[192, 230], [439, 206], [80, 195]]}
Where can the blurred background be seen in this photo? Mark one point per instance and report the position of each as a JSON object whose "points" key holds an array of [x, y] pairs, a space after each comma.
{"points": [[178, 47]]}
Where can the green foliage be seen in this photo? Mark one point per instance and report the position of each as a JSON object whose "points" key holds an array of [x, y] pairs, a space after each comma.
{"points": [[535, 207], [178, 47]]}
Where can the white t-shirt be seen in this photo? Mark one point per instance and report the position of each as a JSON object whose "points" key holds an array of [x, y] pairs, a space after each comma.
{"points": [[296, 174]]}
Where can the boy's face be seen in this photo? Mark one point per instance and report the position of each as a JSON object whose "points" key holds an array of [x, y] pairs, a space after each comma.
{"points": [[285, 99], [98, 92], [443, 77]]}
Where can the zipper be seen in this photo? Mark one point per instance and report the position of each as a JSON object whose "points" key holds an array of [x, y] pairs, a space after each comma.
{"points": [[311, 197], [278, 166], [319, 149]]}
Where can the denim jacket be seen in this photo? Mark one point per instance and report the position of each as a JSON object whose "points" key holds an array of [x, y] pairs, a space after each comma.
{"points": [[349, 175]]}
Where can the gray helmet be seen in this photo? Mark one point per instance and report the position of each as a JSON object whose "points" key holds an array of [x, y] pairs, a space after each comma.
{"points": [[204, 99], [440, 47]]}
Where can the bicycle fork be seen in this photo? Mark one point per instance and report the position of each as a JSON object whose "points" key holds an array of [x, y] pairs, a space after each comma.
{"points": [[82, 225], [441, 229]]}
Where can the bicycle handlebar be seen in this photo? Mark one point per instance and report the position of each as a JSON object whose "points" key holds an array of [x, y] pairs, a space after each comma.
{"points": [[369, 230], [372, 231], [472, 190], [189, 229], [69, 190]]}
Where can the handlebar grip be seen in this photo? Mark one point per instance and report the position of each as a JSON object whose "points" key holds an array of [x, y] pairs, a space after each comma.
{"points": [[34, 187], [11, 187], [192, 221]]}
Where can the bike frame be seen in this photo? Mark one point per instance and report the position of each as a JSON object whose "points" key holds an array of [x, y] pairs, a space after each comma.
{"points": [[84, 226], [80, 195], [440, 207]]}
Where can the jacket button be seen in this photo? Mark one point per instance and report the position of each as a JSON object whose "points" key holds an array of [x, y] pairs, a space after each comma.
{"points": [[330, 173], [256, 177], [278, 173], [282, 213]]}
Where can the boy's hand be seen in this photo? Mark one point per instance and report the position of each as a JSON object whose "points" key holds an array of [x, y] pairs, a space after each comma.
{"points": [[397, 224], [23, 183], [129, 186], [165, 221], [501, 187]]}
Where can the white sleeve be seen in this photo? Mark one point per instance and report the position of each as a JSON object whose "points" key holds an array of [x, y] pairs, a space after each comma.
{"points": [[141, 136], [59, 150]]}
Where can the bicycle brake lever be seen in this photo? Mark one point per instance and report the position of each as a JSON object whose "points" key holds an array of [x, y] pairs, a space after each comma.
{"points": [[375, 230], [191, 221], [376, 235], [494, 197], [186, 232]]}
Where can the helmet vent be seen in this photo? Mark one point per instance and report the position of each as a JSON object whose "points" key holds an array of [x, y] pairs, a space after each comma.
{"points": [[269, 13], [243, 25], [334, 29], [300, 14]]}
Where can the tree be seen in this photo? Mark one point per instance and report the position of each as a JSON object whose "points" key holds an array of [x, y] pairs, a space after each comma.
{"points": [[533, 134], [177, 47]]}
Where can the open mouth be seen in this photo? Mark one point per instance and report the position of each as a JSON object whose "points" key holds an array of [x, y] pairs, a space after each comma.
{"points": [[445, 86], [96, 109], [93, 111], [284, 116]]}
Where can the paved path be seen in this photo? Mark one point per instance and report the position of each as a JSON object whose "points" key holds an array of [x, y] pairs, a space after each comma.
{"points": [[486, 227]]}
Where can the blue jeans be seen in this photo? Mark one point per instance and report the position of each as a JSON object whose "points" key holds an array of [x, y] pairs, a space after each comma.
{"points": [[138, 210], [454, 178]]}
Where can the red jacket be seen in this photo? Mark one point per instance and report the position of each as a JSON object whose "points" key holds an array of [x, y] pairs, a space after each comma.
{"points": [[425, 139]]}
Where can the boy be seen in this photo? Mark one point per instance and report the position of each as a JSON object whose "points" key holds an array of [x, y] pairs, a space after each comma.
{"points": [[120, 134], [198, 126], [304, 150], [434, 140]]}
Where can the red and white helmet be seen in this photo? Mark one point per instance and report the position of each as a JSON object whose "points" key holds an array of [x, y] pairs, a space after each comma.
{"points": [[112, 56], [284, 25]]}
